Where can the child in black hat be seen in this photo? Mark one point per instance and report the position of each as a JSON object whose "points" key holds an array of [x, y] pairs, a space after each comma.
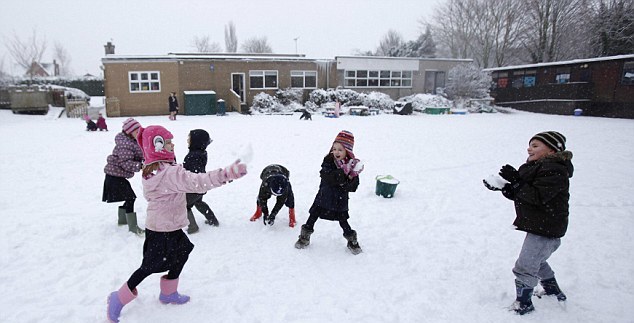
{"points": [[275, 181], [196, 162], [540, 190]]}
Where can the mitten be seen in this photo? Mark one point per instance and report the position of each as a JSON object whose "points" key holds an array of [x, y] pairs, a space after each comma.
{"points": [[357, 167], [489, 186], [235, 171], [510, 174], [508, 191], [346, 167]]}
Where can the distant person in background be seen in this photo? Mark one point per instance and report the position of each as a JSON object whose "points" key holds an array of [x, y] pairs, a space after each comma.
{"points": [[306, 115], [101, 123], [90, 125], [173, 104], [125, 160]]}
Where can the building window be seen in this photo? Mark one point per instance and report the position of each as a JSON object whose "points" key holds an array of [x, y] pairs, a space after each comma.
{"points": [[628, 73], [263, 79], [377, 78], [304, 79], [144, 81], [563, 75]]}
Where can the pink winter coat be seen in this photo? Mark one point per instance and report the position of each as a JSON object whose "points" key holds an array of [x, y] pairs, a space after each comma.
{"points": [[165, 194]]}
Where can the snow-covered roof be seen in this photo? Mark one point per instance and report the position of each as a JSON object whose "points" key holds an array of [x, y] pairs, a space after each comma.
{"points": [[410, 58], [218, 56], [574, 61], [199, 92]]}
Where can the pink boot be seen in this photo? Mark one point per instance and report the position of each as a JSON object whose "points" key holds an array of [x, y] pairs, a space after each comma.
{"points": [[169, 295], [117, 300]]}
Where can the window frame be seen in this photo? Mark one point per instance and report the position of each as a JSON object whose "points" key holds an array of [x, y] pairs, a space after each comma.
{"points": [[264, 75], [628, 67], [136, 81], [303, 75], [378, 78]]}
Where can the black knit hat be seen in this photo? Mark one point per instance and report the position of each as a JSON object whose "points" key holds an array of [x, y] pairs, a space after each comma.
{"points": [[552, 139]]}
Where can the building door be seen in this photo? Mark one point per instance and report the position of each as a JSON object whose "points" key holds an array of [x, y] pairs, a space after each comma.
{"points": [[434, 80], [237, 85]]}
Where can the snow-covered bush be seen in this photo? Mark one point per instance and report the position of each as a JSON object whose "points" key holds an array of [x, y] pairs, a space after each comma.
{"points": [[378, 100], [348, 97], [319, 97], [288, 95], [310, 106], [422, 101], [467, 81], [265, 103]]}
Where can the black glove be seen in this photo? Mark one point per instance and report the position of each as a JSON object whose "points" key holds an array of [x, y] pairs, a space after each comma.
{"points": [[508, 191], [487, 185], [510, 174], [270, 220]]}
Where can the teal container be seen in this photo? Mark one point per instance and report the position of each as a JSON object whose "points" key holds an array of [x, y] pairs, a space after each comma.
{"points": [[386, 185], [434, 110], [200, 102]]}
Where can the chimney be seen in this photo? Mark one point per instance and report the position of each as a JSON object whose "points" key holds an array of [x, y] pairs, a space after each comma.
{"points": [[109, 48]]}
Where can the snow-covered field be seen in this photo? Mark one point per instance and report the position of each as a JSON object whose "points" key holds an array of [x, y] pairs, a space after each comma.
{"points": [[441, 250]]}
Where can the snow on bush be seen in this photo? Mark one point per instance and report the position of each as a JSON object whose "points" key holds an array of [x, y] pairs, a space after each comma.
{"points": [[288, 95], [264, 103], [467, 81], [378, 100], [422, 101]]}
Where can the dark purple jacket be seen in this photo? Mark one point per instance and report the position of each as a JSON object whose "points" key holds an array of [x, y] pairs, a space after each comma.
{"points": [[126, 158]]}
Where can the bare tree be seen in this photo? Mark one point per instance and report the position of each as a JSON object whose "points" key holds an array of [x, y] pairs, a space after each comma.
{"points": [[63, 59], [231, 38], [550, 25], [613, 28], [392, 39], [204, 44], [26, 52], [484, 30], [256, 45]]}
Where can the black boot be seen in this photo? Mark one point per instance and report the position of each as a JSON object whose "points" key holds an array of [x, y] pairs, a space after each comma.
{"points": [[353, 244], [523, 303], [211, 218], [304, 237], [552, 288]]}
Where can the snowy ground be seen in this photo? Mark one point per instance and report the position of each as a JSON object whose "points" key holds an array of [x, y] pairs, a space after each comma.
{"points": [[441, 250]]}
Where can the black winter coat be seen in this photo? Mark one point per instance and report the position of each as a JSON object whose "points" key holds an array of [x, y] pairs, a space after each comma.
{"points": [[541, 201], [288, 198], [196, 159], [334, 188]]}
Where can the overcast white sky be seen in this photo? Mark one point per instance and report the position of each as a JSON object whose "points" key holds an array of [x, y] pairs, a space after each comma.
{"points": [[325, 28]]}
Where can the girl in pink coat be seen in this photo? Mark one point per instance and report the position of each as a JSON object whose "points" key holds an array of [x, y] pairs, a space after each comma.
{"points": [[166, 246]]}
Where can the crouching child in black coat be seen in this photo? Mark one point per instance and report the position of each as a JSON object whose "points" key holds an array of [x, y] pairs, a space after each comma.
{"points": [[196, 162], [540, 191], [275, 181]]}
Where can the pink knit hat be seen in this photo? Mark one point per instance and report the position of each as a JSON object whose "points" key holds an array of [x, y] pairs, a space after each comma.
{"points": [[346, 139], [152, 141], [130, 125]]}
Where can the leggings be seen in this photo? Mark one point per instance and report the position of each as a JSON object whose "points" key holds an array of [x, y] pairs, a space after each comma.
{"points": [[343, 223], [128, 205]]}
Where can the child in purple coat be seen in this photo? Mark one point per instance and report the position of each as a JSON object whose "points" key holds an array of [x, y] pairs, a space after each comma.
{"points": [[125, 160], [166, 246]]}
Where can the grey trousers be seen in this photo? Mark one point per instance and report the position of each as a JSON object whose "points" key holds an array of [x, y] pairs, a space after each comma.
{"points": [[531, 265]]}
